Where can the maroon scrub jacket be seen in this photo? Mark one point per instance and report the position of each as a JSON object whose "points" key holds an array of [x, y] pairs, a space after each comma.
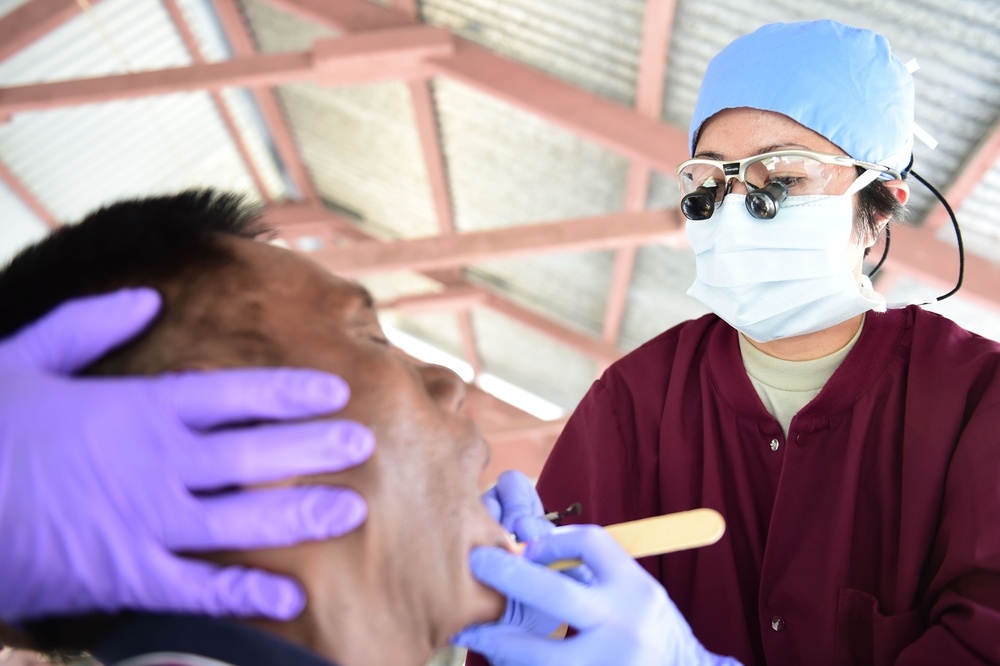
{"points": [[870, 535]]}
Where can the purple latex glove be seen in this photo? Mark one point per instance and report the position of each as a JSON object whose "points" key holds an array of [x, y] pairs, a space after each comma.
{"points": [[97, 473], [623, 615]]}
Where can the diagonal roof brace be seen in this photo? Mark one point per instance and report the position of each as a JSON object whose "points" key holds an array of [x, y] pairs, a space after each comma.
{"points": [[386, 55], [389, 55], [458, 250]]}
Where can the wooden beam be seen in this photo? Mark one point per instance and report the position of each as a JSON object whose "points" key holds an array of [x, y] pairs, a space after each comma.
{"points": [[657, 27], [345, 16], [644, 140], [27, 198], [191, 43], [975, 168], [468, 297], [470, 349], [32, 21], [242, 45], [580, 235], [384, 56], [917, 253], [453, 299], [601, 351], [425, 117], [524, 430]]}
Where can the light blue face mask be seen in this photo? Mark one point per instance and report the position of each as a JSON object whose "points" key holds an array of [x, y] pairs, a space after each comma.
{"points": [[774, 279]]}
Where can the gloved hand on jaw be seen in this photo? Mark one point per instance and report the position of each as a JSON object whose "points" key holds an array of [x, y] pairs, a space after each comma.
{"points": [[514, 503], [97, 474], [623, 615]]}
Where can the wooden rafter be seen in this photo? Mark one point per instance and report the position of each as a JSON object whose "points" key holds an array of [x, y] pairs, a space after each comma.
{"points": [[26, 197], [18, 30], [918, 254], [32, 21], [983, 158], [458, 250], [432, 151], [657, 28], [607, 123], [366, 58], [191, 43], [242, 45], [289, 217]]}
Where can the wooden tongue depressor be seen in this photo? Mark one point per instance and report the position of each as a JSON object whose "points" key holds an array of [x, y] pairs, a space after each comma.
{"points": [[661, 534]]}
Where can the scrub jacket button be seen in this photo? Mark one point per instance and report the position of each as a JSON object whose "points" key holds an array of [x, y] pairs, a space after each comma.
{"points": [[802, 439], [778, 623], [775, 444]]}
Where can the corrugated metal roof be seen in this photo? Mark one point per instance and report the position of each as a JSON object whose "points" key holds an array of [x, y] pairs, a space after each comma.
{"points": [[360, 143], [20, 226], [528, 359], [76, 158], [592, 43]]}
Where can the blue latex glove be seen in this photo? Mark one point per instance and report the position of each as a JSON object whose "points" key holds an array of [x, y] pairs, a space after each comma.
{"points": [[97, 474], [513, 502], [623, 615]]}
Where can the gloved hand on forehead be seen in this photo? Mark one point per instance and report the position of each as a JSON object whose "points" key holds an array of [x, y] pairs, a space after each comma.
{"points": [[97, 474], [622, 614]]}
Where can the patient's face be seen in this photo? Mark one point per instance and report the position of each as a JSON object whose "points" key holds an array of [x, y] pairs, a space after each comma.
{"points": [[421, 483]]}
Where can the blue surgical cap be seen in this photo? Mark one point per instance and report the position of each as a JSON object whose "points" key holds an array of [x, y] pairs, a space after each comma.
{"points": [[841, 82]]}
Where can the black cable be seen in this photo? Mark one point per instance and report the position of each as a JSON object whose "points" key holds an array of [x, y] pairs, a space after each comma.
{"points": [[885, 254], [958, 235]]}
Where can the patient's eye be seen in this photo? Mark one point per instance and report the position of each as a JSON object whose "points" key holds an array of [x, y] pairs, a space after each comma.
{"points": [[380, 339]]}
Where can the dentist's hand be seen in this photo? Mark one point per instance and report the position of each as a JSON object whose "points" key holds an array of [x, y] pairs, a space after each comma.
{"points": [[623, 615], [98, 475], [513, 502]]}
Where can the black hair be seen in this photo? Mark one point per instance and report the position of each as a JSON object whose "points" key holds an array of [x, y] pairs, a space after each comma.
{"points": [[170, 243], [875, 204]]}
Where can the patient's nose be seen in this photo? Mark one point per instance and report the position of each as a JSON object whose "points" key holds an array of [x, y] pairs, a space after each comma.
{"points": [[444, 386]]}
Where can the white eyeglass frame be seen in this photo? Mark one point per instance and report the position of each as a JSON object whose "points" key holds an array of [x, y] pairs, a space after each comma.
{"points": [[737, 169]]}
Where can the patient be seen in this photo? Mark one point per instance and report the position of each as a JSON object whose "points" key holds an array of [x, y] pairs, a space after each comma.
{"points": [[390, 592]]}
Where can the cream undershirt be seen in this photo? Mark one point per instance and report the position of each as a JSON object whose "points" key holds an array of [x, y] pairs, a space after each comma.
{"points": [[785, 387]]}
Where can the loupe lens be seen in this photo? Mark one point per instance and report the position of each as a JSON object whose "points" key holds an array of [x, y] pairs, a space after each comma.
{"points": [[765, 202], [699, 205]]}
